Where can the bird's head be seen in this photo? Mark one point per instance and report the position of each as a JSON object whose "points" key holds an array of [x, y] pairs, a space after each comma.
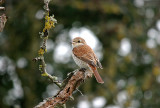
{"points": [[78, 41]]}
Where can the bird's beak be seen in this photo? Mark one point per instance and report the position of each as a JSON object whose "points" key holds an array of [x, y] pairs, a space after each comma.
{"points": [[72, 42]]}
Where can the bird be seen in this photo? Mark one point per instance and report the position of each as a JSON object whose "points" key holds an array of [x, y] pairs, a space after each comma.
{"points": [[85, 58]]}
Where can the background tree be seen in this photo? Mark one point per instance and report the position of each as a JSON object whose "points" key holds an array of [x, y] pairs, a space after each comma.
{"points": [[127, 35]]}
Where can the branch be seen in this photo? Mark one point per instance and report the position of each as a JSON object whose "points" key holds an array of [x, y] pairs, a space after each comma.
{"points": [[3, 20], [50, 22], [73, 82], [3, 17]]}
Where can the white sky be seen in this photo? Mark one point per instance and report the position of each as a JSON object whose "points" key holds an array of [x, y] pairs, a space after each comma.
{"points": [[83, 104], [158, 25], [125, 47], [99, 102]]}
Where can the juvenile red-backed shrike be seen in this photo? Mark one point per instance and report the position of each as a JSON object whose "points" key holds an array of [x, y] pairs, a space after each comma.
{"points": [[85, 57]]}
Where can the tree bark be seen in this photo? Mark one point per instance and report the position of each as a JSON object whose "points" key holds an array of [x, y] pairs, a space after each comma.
{"points": [[71, 83]]}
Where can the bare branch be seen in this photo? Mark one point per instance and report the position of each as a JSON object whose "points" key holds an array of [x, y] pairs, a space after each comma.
{"points": [[3, 20]]}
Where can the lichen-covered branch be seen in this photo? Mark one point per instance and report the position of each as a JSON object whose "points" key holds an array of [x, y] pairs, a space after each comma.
{"points": [[71, 84], [3, 20], [50, 22], [3, 17]]}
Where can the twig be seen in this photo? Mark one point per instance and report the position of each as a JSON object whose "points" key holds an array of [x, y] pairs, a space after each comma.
{"points": [[44, 73], [3, 20], [50, 22], [80, 92], [3, 17]]}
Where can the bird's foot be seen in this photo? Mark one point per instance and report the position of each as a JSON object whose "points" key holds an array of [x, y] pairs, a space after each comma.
{"points": [[83, 69], [88, 73]]}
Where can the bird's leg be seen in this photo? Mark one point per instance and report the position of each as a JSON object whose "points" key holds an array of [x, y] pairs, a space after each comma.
{"points": [[88, 73], [83, 69]]}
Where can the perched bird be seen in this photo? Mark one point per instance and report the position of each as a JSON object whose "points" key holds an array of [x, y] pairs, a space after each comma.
{"points": [[85, 57]]}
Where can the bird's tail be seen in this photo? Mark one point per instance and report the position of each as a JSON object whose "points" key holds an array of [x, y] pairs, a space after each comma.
{"points": [[96, 74]]}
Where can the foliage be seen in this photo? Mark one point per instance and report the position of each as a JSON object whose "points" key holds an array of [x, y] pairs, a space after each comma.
{"points": [[135, 75]]}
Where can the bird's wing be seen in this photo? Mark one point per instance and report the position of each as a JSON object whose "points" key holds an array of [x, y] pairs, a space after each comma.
{"points": [[86, 54], [98, 63]]}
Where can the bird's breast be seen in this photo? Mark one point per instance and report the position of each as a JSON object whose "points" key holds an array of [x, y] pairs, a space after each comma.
{"points": [[79, 62]]}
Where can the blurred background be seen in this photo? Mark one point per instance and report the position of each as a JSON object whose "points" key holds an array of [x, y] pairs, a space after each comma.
{"points": [[125, 34]]}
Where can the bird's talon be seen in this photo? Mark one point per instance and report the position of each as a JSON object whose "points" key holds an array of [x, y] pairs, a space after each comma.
{"points": [[88, 74], [83, 69]]}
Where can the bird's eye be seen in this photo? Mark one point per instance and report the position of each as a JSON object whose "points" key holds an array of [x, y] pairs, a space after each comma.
{"points": [[79, 41]]}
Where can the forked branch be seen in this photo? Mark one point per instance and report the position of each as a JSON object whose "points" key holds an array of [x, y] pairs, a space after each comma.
{"points": [[71, 83]]}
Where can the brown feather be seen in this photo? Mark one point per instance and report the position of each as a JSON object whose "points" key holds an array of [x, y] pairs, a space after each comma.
{"points": [[86, 54], [99, 65], [96, 74]]}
